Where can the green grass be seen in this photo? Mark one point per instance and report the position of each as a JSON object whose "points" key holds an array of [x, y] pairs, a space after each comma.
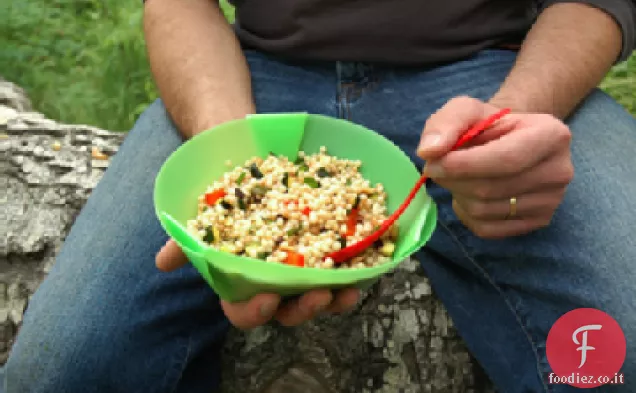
{"points": [[621, 83], [84, 61], [80, 61]]}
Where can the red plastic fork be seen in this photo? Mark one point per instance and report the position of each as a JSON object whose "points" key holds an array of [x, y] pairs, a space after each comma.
{"points": [[357, 248]]}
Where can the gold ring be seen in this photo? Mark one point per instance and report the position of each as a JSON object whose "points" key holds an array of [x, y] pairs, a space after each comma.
{"points": [[513, 207]]}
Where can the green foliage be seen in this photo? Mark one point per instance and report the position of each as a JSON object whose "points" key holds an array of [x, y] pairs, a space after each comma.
{"points": [[84, 61], [81, 61], [228, 10], [621, 84]]}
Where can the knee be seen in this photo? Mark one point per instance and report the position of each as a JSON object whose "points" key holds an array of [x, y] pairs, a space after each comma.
{"points": [[64, 345], [80, 357], [39, 362], [624, 314], [620, 306]]}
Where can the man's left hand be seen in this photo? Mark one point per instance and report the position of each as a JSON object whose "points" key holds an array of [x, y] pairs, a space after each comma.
{"points": [[523, 156]]}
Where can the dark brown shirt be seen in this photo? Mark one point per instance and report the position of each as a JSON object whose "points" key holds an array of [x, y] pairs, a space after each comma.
{"points": [[404, 32]]}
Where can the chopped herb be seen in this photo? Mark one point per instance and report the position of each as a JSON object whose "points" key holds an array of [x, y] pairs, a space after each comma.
{"points": [[322, 172], [295, 231], [253, 198], [259, 190], [373, 195], [255, 172], [299, 160], [263, 255], [271, 153], [226, 205], [286, 179], [343, 241], [303, 168], [240, 178], [240, 197], [268, 220], [311, 182], [348, 182], [356, 202], [209, 235]]}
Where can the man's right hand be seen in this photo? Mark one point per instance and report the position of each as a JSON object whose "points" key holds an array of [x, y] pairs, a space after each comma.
{"points": [[263, 307]]}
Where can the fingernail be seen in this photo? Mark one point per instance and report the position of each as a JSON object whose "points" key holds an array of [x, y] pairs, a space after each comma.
{"points": [[268, 308], [433, 170], [429, 141]]}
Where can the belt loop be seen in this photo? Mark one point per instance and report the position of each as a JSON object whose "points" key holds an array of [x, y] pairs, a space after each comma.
{"points": [[340, 91], [339, 72]]}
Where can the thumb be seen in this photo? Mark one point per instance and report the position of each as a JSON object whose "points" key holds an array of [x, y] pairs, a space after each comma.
{"points": [[170, 257], [444, 127]]}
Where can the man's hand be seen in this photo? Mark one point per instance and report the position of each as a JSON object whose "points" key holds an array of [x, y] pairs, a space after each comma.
{"points": [[262, 308], [523, 156]]}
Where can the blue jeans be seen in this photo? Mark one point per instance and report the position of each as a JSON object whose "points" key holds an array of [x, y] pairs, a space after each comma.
{"points": [[105, 320]]}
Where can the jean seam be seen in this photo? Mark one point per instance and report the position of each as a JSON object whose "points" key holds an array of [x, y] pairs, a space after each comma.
{"points": [[512, 309], [348, 104], [182, 364]]}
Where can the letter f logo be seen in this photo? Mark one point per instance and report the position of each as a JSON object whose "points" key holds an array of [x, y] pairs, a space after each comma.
{"points": [[584, 347]]}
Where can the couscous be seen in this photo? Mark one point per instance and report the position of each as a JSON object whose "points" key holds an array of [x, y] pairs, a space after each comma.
{"points": [[294, 212]]}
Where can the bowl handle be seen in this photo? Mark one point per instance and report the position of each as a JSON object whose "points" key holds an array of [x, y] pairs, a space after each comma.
{"points": [[191, 247]]}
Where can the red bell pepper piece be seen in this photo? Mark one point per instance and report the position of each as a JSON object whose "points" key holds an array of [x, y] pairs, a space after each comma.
{"points": [[295, 259], [306, 211], [212, 197], [352, 221]]}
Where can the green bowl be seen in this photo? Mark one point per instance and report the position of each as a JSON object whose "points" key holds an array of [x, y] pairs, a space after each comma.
{"points": [[202, 159]]}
